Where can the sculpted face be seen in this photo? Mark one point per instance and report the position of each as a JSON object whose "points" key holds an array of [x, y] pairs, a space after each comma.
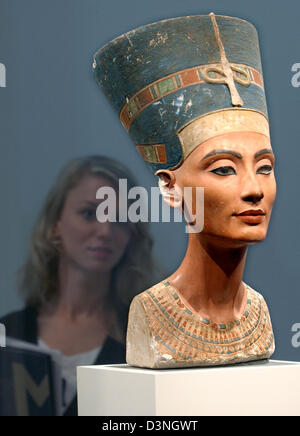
{"points": [[237, 172]]}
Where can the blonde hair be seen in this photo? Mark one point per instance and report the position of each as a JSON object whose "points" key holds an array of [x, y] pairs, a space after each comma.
{"points": [[133, 274]]}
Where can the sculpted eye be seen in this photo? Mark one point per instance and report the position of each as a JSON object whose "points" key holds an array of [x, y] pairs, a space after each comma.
{"points": [[224, 171], [265, 169]]}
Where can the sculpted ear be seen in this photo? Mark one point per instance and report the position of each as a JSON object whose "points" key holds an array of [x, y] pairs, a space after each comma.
{"points": [[170, 191]]}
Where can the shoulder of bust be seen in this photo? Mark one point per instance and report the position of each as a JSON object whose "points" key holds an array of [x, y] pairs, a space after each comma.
{"points": [[254, 292]]}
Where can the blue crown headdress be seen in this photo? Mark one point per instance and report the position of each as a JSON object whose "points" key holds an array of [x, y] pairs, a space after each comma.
{"points": [[181, 81]]}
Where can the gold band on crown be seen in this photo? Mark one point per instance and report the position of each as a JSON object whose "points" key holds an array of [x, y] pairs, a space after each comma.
{"points": [[218, 123]]}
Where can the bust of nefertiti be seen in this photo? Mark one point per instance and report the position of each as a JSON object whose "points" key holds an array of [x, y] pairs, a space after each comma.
{"points": [[190, 93], [204, 314]]}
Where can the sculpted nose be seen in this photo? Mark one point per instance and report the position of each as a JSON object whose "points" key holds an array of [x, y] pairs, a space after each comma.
{"points": [[254, 198], [252, 191]]}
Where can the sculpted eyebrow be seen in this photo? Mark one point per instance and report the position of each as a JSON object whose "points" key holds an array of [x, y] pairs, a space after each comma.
{"points": [[263, 151], [238, 155], [215, 152]]}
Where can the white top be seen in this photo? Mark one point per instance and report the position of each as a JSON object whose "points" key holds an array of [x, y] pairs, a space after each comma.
{"points": [[68, 366]]}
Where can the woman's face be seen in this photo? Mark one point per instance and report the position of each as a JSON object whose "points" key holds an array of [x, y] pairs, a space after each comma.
{"points": [[236, 171], [86, 243]]}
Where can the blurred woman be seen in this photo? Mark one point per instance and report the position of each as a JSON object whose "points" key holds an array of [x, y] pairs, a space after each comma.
{"points": [[81, 275]]}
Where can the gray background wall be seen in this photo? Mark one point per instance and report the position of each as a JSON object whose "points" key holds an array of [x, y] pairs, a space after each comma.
{"points": [[51, 111]]}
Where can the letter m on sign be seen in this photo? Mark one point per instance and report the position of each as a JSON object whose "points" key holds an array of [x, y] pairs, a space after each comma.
{"points": [[24, 385], [2, 336]]}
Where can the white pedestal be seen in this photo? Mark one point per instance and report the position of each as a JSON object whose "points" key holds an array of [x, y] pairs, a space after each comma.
{"points": [[252, 389]]}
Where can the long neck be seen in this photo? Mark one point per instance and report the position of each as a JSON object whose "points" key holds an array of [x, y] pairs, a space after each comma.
{"points": [[210, 278]]}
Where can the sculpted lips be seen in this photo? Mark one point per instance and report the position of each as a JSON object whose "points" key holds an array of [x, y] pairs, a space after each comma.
{"points": [[252, 212], [252, 216]]}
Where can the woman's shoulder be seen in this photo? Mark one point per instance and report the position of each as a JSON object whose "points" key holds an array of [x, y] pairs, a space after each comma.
{"points": [[21, 324], [17, 315], [112, 352]]}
